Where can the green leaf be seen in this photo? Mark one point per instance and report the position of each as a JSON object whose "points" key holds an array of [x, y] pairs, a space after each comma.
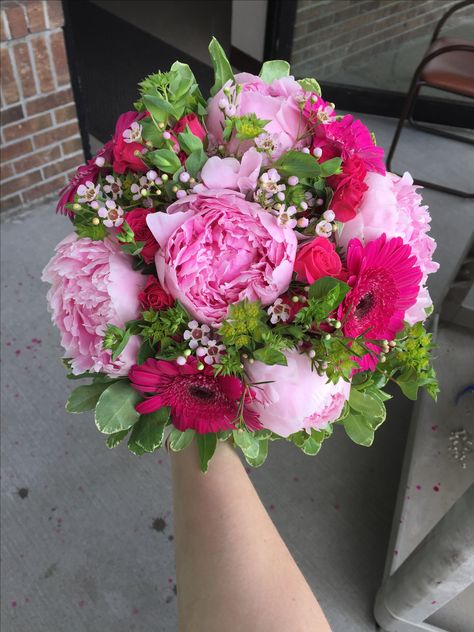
{"points": [[222, 68], [159, 109], [85, 397], [310, 85], [248, 126], [115, 409], [323, 286], [275, 69], [113, 440], [195, 162], [180, 440], [330, 167], [148, 432], [358, 429], [150, 132], [189, 142], [246, 442], [270, 356], [261, 456], [165, 159], [135, 448], [297, 163], [409, 384], [146, 351], [207, 444], [181, 80], [367, 405]]}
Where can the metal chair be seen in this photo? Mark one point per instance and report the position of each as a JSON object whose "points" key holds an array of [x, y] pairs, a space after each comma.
{"points": [[447, 65]]}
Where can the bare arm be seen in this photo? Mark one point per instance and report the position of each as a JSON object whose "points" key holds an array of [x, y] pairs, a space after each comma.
{"points": [[234, 572]]}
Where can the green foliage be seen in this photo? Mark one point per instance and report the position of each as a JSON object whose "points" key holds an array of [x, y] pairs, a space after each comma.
{"points": [[165, 159], [170, 95], [261, 456], [229, 363], [310, 85], [85, 397], [410, 362], [126, 237], [189, 142], [116, 340], [244, 325], [180, 440], [275, 69], [114, 439], [220, 63], [195, 162], [115, 409], [247, 442], [365, 414], [249, 126], [271, 353], [147, 433], [309, 443], [207, 444], [160, 327], [83, 223], [297, 163], [324, 296]]}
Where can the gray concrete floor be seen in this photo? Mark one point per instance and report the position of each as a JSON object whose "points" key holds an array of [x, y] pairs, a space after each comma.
{"points": [[87, 543]]}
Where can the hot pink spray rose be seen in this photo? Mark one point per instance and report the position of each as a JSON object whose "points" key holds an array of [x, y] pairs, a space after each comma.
{"points": [[275, 102], [295, 397], [126, 140], [230, 173], [93, 284], [218, 249], [392, 205]]}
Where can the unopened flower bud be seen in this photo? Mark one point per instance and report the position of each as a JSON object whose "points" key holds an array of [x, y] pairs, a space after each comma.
{"points": [[317, 152], [144, 192], [312, 353], [165, 177], [174, 188], [305, 150], [187, 352], [329, 215], [100, 161], [382, 358], [95, 221], [251, 361], [166, 135], [295, 299], [184, 176], [181, 360], [161, 125], [293, 181], [158, 192], [327, 336], [200, 366], [337, 324], [76, 207], [302, 222]]}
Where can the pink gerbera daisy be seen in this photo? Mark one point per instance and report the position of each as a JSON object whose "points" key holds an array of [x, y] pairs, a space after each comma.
{"points": [[346, 138], [384, 279], [198, 399]]}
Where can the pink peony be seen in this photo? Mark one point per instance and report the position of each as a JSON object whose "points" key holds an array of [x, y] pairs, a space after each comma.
{"points": [[83, 174], [393, 206], [295, 397], [230, 173], [198, 399], [218, 249], [127, 143], [93, 284], [346, 138], [275, 102], [384, 278]]}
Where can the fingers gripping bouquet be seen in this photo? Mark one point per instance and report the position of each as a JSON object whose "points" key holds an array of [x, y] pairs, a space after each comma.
{"points": [[240, 269]]}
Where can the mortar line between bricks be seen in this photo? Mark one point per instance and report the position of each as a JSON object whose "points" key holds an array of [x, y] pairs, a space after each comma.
{"points": [[47, 164]]}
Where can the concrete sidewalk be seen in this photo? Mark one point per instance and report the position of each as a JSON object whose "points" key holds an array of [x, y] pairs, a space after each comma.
{"points": [[88, 532]]}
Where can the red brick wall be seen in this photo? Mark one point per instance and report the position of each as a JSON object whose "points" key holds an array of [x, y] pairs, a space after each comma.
{"points": [[40, 137], [331, 34]]}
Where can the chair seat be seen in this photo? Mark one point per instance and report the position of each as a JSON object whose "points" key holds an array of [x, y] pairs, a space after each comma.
{"points": [[451, 71]]}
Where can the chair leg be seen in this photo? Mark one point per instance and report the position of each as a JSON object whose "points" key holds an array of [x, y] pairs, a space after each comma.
{"points": [[406, 112], [439, 132]]}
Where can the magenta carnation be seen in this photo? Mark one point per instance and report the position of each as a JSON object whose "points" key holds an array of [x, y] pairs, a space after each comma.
{"points": [[294, 397], [218, 249], [384, 279], [197, 399], [346, 138], [93, 284]]}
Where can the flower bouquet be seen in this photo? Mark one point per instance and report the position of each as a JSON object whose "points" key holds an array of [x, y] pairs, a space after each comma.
{"points": [[241, 269]]}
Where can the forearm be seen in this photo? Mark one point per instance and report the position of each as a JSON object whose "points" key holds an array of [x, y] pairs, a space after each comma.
{"points": [[234, 571]]}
